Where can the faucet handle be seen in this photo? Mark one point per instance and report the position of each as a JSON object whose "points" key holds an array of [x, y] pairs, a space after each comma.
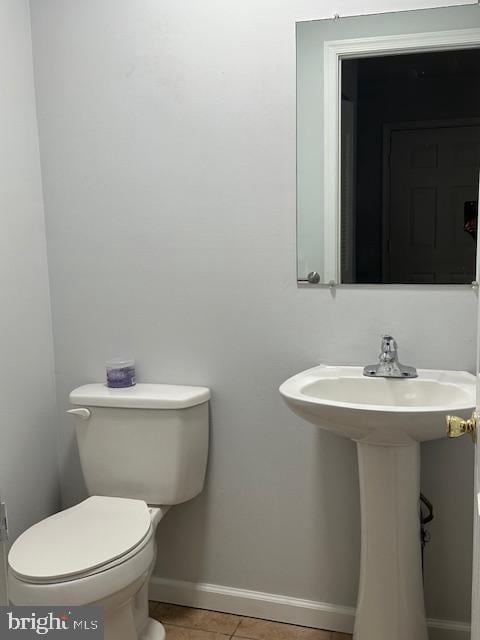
{"points": [[389, 344]]}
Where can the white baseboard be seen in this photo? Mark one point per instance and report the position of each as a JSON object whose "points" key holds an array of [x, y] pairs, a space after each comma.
{"points": [[448, 630], [253, 604], [270, 606]]}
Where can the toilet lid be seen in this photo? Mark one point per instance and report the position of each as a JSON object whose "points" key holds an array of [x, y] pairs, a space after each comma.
{"points": [[80, 539]]}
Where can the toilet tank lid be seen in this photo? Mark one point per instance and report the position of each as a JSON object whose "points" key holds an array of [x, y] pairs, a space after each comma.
{"points": [[140, 396]]}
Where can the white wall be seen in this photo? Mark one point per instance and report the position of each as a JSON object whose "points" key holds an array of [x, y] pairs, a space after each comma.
{"points": [[167, 136], [28, 454]]}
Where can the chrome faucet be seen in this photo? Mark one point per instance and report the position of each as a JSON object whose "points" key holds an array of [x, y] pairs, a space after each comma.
{"points": [[389, 366]]}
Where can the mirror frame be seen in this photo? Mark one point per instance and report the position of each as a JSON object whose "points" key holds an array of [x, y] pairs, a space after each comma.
{"points": [[334, 52]]}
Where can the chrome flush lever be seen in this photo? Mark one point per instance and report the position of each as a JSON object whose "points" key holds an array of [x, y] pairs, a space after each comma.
{"points": [[82, 413]]}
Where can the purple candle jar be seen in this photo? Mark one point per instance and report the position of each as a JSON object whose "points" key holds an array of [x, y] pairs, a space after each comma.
{"points": [[120, 373]]}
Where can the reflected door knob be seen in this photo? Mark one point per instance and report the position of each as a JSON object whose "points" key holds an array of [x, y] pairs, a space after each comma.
{"points": [[457, 426]]}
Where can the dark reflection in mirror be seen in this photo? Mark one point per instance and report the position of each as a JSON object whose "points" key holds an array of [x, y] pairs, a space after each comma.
{"points": [[410, 157]]}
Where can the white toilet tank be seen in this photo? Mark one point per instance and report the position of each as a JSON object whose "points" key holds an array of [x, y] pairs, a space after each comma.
{"points": [[148, 442]]}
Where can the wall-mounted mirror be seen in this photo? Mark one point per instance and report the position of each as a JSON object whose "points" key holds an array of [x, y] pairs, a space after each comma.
{"points": [[388, 124]]}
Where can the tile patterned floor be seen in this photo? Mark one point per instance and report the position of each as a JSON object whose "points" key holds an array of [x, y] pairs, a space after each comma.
{"points": [[184, 623]]}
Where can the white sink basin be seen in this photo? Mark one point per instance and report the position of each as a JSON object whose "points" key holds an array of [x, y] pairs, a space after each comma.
{"points": [[380, 410]]}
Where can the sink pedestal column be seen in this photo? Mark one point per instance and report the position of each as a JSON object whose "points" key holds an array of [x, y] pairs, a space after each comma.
{"points": [[390, 600]]}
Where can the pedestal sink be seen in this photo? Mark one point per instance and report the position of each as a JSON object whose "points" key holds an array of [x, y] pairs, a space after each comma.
{"points": [[387, 418]]}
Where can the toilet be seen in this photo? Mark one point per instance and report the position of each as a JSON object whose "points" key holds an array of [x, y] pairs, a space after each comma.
{"points": [[142, 449]]}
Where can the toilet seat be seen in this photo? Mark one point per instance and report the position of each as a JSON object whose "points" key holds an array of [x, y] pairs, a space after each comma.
{"points": [[96, 585], [87, 589], [95, 535]]}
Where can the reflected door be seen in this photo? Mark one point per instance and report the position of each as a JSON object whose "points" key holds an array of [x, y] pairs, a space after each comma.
{"points": [[432, 174]]}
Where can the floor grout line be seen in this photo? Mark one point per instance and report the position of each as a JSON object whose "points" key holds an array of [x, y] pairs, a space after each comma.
{"points": [[238, 625]]}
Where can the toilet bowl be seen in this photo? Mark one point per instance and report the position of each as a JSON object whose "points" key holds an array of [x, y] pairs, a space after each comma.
{"points": [[138, 444], [100, 553]]}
